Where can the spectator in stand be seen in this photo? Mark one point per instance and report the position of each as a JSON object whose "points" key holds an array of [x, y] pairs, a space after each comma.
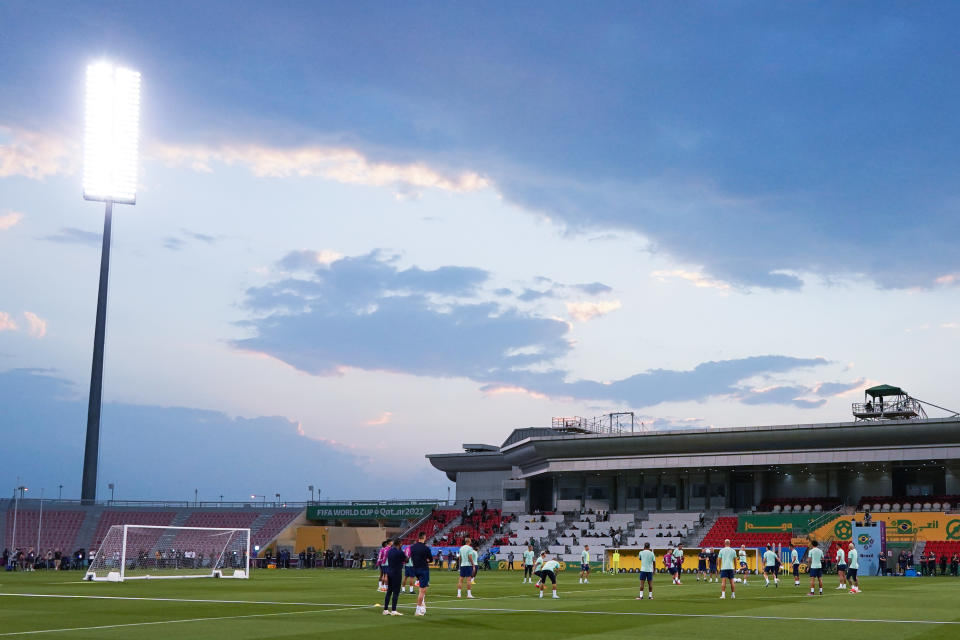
{"points": [[943, 563]]}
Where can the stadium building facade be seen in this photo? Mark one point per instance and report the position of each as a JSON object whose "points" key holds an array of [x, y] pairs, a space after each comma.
{"points": [[567, 469]]}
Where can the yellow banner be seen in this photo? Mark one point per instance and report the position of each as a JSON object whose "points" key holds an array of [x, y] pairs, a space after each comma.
{"points": [[901, 526]]}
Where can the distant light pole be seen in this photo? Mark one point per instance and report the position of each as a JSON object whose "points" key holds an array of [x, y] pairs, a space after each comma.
{"points": [[278, 498], [254, 496], [111, 487], [110, 161], [40, 521], [195, 492], [17, 497], [221, 498], [311, 492], [60, 492]]}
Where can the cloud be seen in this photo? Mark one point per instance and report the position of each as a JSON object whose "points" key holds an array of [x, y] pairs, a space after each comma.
{"points": [[561, 290], [827, 389], [176, 243], [36, 326], [695, 278], [365, 312], [781, 395], [340, 164], [592, 288], [709, 379], [72, 235], [585, 311], [382, 419], [33, 154], [9, 219], [307, 260], [42, 408], [7, 323], [201, 237]]}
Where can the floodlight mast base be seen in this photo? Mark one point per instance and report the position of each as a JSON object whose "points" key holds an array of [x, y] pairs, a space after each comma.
{"points": [[91, 454]]}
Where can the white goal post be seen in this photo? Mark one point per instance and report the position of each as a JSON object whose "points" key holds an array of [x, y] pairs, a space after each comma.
{"points": [[139, 551]]}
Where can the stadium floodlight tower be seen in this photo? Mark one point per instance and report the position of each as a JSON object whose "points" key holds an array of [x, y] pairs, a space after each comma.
{"points": [[110, 158]]}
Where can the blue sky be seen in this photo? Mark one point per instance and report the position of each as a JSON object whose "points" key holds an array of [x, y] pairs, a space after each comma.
{"points": [[365, 231]]}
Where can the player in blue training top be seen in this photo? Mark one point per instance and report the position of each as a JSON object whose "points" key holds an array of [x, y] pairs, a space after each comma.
{"points": [[702, 564], [420, 556], [396, 558]]}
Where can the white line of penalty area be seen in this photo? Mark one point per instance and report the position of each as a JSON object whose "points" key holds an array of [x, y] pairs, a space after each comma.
{"points": [[339, 606]]}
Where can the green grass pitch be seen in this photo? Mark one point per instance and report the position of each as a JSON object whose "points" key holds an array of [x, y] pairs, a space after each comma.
{"points": [[316, 603]]}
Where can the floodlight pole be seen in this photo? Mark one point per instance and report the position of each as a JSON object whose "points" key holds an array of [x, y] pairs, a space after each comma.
{"points": [[88, 491]]}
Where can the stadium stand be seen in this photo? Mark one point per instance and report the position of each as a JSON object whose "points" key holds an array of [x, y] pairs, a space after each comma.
{"points": [[437, 521], [59, 530], [269, 530], [726, 527], [910, 503], [229, 519], [111, 517], [800, 505], [477, 527]]}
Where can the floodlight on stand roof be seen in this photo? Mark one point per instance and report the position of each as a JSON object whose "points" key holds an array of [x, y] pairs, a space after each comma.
{"points": [[111, 136]]}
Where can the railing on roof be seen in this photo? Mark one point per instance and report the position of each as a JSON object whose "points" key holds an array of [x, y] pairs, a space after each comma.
{"points": [[616, 423]]}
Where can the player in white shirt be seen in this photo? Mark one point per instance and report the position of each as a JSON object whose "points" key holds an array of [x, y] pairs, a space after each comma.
{"points": [[770, 566], [744, 567], [549, 572], [537, 566], [647, 566], [528, 564], [853, 566], [585, 564], [677, 563], [795, 565], [727, 557], [841, 567], [468, 568]]}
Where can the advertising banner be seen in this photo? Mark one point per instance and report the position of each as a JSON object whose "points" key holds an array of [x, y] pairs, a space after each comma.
{"points": [[901, 527], [775, 522], [369, 511], [868, 542]]}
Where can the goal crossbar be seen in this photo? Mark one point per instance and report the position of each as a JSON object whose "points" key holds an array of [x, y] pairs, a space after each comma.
{"points": [[135, 551]]}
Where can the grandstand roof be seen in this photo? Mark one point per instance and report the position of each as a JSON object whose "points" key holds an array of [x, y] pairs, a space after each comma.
{"points": [[538, 451]]}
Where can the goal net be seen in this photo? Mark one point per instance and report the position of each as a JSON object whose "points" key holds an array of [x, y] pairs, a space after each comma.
{"points": [[133, 551]]}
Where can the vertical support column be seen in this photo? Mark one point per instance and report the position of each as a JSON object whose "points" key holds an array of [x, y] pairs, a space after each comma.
{"points": [[91, 453], [706, 499], [759, 482], [659, 492]]}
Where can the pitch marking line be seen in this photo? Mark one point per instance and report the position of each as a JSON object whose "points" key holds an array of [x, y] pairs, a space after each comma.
{"points": [[159, 622], [690, 615], [86, 597]]}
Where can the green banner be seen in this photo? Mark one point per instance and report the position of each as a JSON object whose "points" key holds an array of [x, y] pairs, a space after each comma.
{"points": [[369, 511], [774, 522]]}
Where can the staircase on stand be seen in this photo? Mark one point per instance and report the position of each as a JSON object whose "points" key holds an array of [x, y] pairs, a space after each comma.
{"points": [[88, 528], [165, 541]]}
